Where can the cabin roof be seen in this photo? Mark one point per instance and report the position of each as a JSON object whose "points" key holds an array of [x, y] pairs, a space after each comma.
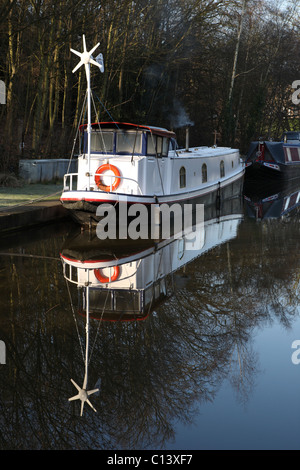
{"points": [[125, 125], [291, 135]]}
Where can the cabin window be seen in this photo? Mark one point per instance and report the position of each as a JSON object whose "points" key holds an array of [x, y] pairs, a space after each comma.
{"points": [[157, 145], [165, 147], [204, 173], [129, 142], [182, 177], [172, 144], [102, 141], [222, 169], [151, 144]]}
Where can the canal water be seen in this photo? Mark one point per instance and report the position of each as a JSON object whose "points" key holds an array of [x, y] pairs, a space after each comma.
{"points": [[192, 345]]}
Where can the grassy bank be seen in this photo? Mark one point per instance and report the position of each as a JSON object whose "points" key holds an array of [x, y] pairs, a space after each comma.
{"points": [[11, 196]]}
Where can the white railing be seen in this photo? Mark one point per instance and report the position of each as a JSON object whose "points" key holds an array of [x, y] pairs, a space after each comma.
{"points": [[68, 186], [70, 273]]}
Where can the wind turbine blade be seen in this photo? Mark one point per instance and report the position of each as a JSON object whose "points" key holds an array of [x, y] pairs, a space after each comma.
{"points": [[76, 397], [92, 61], [75, 385], [88, 401], [77, 66], [90, 392], [84, 44], [94, 48], [76, 52]]}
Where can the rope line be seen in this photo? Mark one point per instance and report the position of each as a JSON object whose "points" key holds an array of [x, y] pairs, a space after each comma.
{"points": [[31, 201]]}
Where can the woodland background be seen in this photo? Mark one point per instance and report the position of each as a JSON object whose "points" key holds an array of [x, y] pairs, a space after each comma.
{"points": [[214, 64]]}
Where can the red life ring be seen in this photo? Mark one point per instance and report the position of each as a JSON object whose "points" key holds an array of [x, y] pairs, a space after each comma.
{"points": [[105, 279], [100, 170]]}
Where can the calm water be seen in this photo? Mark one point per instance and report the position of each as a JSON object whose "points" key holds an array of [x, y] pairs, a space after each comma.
{"points": [[199, 359]]}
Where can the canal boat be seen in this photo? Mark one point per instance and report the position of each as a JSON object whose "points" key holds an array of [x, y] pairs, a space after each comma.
{"points": [[132, 163], [272, 204], [274, 160]]}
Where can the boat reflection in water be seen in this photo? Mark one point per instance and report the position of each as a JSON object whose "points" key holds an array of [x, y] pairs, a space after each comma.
{"points": [[271, 201], [126, 281]]}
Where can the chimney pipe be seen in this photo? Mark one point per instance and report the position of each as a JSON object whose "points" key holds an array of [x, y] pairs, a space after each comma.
{"points": [[187, 138]]}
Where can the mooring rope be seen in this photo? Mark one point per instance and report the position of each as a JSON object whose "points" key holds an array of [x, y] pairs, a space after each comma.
{"points": [[31, 201]]}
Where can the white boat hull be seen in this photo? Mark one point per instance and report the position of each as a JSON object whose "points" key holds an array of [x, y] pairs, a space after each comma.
{"points": [[83, 204]]}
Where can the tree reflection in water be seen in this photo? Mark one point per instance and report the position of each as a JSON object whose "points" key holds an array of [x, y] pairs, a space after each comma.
{"points": [[152, 373]]}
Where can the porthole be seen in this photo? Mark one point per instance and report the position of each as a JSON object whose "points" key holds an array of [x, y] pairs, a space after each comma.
{"points": [[182, 177], [204, 173], [222, 169]]}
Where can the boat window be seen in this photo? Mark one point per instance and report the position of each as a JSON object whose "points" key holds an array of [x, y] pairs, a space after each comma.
{"points": [[129, 142], [102, 141], [204, 173], [151, 144], [290, 136], [222, 169], [165, 147], [157, 145], [182, 177], [126, 303], [172, 144]]}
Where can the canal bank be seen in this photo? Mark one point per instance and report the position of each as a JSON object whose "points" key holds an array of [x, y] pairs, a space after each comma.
{"points": [[29, 205], [30, 215]]}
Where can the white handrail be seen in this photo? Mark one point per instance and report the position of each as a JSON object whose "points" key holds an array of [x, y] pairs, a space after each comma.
{"points": [[71, 175]]}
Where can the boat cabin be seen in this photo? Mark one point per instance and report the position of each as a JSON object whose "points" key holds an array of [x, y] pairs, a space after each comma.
{"points": [[128, 139], [291, 137], [138, 160]]}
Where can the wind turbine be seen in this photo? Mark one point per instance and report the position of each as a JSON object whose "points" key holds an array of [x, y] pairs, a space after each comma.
{"points": [[83, 394], [87, 59]]}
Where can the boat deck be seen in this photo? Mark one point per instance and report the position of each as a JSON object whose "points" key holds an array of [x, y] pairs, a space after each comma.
{"points": [[205, 152]]}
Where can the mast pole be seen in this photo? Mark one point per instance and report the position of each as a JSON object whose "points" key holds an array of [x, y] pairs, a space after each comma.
{"points": [[89, 129], [87, 327], [86, 59]]}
